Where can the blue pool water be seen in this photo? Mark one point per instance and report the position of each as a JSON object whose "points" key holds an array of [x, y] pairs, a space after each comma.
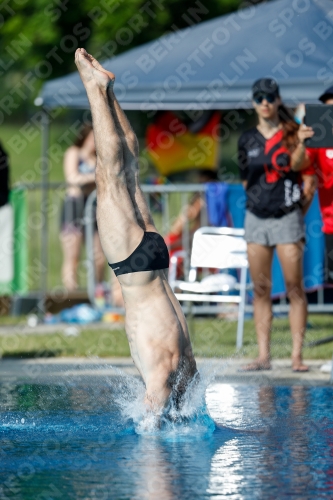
{"points": [[87, 441]]}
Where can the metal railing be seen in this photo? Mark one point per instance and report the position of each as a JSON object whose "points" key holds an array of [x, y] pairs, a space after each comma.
{"points": [[45, 255]]}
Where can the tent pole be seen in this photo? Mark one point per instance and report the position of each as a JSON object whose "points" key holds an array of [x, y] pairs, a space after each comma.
{"points": [[44, 232]]}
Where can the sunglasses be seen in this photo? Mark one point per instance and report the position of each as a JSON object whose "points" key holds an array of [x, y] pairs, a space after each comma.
{"points": [[270, 98]]}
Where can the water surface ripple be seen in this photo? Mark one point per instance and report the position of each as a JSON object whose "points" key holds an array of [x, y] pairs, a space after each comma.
{"points": [[81, 441]]}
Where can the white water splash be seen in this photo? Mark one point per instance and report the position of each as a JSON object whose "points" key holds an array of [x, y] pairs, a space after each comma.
{"points": [[192, 420]]}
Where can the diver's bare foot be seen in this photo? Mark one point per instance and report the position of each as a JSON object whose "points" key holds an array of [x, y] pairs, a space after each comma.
{"points": [[99, 67], [257, 365], [90, 75]]}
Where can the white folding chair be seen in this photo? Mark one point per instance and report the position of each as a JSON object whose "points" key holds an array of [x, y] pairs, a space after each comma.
{"points": [[220, 248]]}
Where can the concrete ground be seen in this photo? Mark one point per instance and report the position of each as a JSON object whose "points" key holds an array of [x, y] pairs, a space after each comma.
{"points": [[94, 370]]}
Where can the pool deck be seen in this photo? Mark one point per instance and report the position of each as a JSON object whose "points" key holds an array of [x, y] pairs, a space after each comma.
{"points": [[97, 370]]}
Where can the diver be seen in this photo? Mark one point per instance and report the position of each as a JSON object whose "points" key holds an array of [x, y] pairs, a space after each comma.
{"points": [[155, 324]]}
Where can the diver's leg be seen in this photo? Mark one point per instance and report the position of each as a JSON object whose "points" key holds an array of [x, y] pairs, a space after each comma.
{"points": [[130, 155], [119, 231]]}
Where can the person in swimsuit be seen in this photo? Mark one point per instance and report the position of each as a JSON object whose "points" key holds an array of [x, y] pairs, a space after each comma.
{"points": [[155, 325], [79, 170]]}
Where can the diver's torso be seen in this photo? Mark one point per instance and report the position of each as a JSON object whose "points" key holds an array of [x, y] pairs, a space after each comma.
{"points": [[153, 328]]}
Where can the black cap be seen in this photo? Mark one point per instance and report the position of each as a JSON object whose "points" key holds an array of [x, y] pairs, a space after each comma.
{"points": [[326, 95], [265, 86]]}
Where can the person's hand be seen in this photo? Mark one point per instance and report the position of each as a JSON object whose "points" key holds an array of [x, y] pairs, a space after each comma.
{"points": [[304, 132]]}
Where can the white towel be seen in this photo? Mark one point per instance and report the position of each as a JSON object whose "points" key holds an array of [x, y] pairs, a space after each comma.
{"points": [[6, 244]]}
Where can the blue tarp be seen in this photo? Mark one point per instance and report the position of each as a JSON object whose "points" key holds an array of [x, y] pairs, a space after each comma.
{"points": [[213, 64], [314, 249], [216, 202]]}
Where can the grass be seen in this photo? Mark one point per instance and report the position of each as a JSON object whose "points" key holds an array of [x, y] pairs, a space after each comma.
{"points": [[89, 343], [210, 337], [24, 154]]}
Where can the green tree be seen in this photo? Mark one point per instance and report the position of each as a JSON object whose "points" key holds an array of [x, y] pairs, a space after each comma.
{"points": [[39, 37]]}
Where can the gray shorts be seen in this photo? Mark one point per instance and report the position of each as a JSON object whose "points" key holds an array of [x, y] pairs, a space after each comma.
{"points": [[269, 232]]}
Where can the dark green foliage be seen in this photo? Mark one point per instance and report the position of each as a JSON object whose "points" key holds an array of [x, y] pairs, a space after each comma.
{"points": [[39, 37]]}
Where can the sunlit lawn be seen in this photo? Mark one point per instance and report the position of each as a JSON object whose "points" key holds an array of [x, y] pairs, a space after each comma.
{"points": [[211, 337]]}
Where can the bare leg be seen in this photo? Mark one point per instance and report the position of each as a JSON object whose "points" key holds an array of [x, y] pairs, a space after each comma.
{"points": [[291, 258], [130, 154], [131, 150], [99, 259], [260, 261], [114, 209], [71, 245]]}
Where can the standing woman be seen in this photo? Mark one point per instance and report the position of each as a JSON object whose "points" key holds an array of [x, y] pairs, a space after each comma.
{"points": [[79, 170], [270, 158]]}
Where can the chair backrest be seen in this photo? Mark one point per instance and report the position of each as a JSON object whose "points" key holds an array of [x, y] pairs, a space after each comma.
{"points": [[219, 247]]}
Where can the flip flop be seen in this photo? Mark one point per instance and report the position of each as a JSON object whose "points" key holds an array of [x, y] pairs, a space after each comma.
{"points": [[297, 370], [258, 368]]}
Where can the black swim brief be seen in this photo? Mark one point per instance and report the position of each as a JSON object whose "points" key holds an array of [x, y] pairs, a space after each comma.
{"points": [[151, 255]]}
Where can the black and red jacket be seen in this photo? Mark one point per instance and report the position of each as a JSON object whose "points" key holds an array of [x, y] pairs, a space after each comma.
{"points": [[273, 189]]}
